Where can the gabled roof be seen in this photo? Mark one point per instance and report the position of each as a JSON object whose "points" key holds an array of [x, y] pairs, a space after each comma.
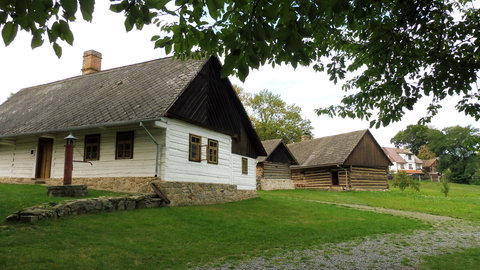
{"points": [[331, 150], [393, 155], [189, 90], [274, 145], [141, 91], [429, 162]]}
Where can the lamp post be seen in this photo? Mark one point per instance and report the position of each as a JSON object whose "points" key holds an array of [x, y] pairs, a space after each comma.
{"points": [[68, 168]]}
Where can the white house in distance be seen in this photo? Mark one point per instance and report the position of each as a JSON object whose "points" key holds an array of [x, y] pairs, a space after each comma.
{"points": [[177, 121], [403, 160]]}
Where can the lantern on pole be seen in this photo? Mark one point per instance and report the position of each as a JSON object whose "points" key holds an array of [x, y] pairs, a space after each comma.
{"points": [[68, 168]]}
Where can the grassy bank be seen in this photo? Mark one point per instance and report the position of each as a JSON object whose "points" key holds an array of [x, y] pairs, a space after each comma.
{"points": [[462, 202], [15, 197], [469, 259], [182, 237]]}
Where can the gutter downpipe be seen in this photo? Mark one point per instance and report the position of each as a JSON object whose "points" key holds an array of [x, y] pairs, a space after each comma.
{"points": [[157, 156], [347, 186]]}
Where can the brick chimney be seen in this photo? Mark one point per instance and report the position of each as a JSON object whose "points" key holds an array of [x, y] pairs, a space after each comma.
{"points": [[92, 62], [305, 137]]}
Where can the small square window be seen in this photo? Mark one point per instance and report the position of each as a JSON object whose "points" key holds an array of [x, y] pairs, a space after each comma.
{"points": [[92, 147], [124, 146], [212, 151], [195, 148], [244, 166]]}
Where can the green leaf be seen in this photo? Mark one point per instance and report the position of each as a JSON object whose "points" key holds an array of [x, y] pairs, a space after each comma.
{"points": [[70, 7], [57, 49], [9, 32], [212, 8], [37, 40], [3, 17], [87, 7], [168, 48], [65, 32], [228, 66], [156, 37]]}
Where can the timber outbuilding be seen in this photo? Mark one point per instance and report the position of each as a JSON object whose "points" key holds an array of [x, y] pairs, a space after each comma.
{"points": [[346, 161], [163, 120], [273, 170]]}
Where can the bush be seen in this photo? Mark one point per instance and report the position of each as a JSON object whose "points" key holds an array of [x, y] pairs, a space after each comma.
{"points": [[402, 180], [445, 187]]}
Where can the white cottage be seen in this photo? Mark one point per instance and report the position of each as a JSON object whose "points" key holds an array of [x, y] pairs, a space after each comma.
{"points": [[166, 119], [403, 160]]}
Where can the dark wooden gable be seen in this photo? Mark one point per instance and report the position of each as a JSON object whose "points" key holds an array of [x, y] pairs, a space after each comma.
{"points": [[368, 153], [210, 101], [281, 154]]}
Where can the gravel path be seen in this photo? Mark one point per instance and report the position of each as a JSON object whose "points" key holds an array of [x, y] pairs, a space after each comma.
{"points": [[386, 251]]}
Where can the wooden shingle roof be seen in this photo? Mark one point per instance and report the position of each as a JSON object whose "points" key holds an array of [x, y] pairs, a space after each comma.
{"points": [[331, 150], [143, 91], [274, 145], [393, 155]]}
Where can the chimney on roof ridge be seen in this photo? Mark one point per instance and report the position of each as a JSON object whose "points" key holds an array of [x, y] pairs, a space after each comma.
{"points": [[92, 62], [305, 137]]}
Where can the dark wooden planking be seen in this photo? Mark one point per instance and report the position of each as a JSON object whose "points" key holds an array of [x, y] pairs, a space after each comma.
{"points": [[367, 153], [281, 155], [210, 101]]}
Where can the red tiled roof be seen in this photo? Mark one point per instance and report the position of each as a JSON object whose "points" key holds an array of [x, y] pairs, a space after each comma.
{"points": [[393, 155]]}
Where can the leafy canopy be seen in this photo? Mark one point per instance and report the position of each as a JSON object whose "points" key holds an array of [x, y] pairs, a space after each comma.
{"points": [[414, 137], [456, 147], [390, 53], [458, 150], [425, 153], [273, 118]]}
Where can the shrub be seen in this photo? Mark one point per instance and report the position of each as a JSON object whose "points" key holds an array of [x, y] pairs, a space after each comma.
{"points": [[402, 180], [445, 187]]}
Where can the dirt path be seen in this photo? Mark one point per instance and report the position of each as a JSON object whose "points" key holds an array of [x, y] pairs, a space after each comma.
{"points": [[386, 251]]}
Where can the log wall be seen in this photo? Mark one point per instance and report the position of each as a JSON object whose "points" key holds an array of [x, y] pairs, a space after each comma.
{"points": [[360, 178], [313, 178], [274, 170], [368, 178]]}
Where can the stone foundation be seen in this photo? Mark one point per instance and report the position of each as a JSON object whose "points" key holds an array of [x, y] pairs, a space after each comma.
{"points": [[179, 193], [67, 191], [119, 184], [274, 184], [187, 193], [83, 206]]}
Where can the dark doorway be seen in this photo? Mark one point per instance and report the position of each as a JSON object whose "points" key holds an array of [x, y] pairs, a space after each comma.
{"points": [[44, 158], [335, 178]]}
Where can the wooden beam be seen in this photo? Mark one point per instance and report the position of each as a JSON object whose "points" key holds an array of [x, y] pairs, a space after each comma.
{"points": [[7, 142]]}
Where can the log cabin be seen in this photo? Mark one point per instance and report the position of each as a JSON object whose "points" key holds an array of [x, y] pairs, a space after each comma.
{"points": [[349, 161], [273, 170], [165, 119]]}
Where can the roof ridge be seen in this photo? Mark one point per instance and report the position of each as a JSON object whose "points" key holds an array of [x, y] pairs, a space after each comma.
{"points": [[102, 72], [335, 135]]}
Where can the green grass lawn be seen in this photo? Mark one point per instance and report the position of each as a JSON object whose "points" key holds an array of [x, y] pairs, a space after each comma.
{"points": [[468, 259], [15, 197], [180, 237], [463, 201]]}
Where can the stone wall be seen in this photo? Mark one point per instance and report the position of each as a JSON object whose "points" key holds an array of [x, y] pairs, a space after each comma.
{"points": [[119, 184], [188, 193], [273, 184], [83, 206], [179, 193]]}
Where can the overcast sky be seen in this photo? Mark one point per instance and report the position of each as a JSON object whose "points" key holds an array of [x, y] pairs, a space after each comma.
{"points": [[23, 67]]}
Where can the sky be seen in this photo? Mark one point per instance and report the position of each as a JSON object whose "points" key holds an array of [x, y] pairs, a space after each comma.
{"points": [[21, 67]]}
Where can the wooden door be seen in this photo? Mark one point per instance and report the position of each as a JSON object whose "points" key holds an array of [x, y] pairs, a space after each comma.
{"points": [[44, 158], [335, 181]]}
